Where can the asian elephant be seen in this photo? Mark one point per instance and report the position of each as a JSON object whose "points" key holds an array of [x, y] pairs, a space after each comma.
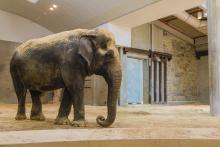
{"points": [[63, 60]]}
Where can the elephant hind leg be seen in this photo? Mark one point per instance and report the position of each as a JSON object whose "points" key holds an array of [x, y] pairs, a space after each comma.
{"points": [[20, 92], [36, 111], [64, 110]]}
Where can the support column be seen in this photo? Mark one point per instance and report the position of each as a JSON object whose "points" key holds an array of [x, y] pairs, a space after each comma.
{"points": [[214, 55]]}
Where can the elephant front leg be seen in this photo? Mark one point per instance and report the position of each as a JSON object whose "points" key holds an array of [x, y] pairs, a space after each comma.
{"points": [[78, 105], [74, 82], [64, 110]]}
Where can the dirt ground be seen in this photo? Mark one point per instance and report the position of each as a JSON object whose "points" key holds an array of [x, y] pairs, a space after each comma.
{"points": [[135, 116]]}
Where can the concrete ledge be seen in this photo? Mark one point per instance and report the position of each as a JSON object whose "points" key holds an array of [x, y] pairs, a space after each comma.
{"points": [[180, 102], [128, 143], [132, 137]]}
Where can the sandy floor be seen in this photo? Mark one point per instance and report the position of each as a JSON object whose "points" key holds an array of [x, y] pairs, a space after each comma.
{"points": [[142, 116]]}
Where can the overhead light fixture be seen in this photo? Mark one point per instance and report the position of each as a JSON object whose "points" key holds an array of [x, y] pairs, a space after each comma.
{"points": [[54, 6], [200, 15], [51, 8], [33, 1]]}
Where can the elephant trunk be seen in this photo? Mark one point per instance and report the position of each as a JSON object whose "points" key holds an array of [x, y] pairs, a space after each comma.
{"points": [[113, 79]]}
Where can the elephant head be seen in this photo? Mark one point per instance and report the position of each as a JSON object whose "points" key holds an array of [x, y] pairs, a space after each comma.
{"points": [[98, 49]]}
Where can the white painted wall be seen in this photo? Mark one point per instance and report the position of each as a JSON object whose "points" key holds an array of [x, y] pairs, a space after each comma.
{"points": [[157, 39], [156, 11], [141, 37], [18, 29], [122, 34]]}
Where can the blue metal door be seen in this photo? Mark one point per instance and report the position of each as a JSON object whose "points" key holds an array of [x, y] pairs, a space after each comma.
{"points": [[134, 78]]}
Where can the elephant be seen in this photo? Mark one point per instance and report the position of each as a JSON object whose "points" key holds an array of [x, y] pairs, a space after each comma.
{"points": [[64, 60]]}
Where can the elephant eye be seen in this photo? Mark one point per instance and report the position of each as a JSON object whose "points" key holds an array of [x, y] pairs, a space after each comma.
{"points": [[104, 46]]}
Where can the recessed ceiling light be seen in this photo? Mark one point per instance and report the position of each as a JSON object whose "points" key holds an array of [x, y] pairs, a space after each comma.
{"points": [[33, 1], [51, 8], [54, 6]]}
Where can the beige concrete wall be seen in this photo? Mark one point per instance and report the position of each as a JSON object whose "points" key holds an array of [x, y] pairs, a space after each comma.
{"points": [[141, 37], [157, 39], [100, 91], [7, 93], [95, 91]]}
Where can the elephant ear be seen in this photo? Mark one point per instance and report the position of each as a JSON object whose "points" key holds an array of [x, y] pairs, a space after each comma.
{"points": [[86, 49]]}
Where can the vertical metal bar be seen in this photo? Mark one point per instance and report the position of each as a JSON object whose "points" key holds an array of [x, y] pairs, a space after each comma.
{"points": [[155, 80], [152, 80], [151, 36], [162, 82], [158, 83], [165, 81], [149, 87]]}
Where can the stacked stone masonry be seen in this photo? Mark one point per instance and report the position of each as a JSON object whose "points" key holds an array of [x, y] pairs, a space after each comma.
{"points": [[182, 70]]}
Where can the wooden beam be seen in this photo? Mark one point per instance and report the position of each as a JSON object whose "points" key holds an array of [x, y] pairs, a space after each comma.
{"points": [[173, 31], [135, 50], [162, 55], [150, 53]]}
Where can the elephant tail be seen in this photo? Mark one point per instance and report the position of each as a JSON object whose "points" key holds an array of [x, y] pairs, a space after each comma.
{"points": [[16, 79]]}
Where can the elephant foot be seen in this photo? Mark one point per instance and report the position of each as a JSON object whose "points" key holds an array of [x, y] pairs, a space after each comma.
{"points": [[20, 117], [62, 121], [79, 123], [38, 117]]}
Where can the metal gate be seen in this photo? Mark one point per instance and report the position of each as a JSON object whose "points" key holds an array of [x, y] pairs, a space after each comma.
{"points": [[133, 88], [158, 78]]}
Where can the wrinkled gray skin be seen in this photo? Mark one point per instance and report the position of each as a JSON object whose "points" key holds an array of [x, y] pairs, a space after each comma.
{"points": [[63, 60]]}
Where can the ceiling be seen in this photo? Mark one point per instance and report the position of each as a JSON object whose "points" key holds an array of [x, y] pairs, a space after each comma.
{"points": [[184, 27], [72, 14]]}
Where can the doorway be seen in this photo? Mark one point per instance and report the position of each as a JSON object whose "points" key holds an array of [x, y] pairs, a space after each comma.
{"points": [[134, 78]]}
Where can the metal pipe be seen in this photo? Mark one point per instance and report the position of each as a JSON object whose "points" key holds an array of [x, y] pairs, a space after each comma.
{"points": [[191, 20]]}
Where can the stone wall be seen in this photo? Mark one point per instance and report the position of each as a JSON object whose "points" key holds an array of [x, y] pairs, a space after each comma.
{"points": [[203, 80], [182, 69]]}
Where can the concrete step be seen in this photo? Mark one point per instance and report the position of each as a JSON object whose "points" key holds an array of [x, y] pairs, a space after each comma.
{"points": [[117, 137]]}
